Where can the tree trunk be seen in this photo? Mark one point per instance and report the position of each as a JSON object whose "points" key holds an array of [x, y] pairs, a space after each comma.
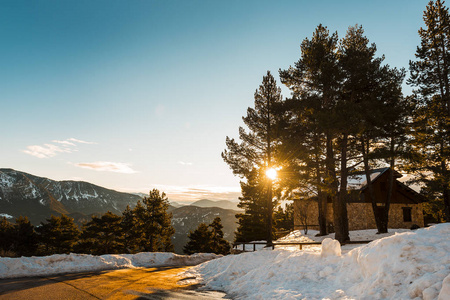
{"points": [[330, 176], [445, 191], [321, 197], [340, 203], [385, 218], [269, 219], [378, 211], [322, 203]]}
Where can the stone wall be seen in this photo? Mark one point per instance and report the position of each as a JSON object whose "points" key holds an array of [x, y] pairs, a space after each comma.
{"points": [[360, 215], [306, 212]]}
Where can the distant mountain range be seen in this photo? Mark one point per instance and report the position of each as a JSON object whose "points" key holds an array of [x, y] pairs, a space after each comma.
{"points": [[225, 204], [38, 197], [187, 218], [23, 194]]}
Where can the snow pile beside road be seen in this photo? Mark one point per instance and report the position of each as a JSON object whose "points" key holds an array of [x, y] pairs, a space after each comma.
{"points": [[410, 265], [67, 263]]}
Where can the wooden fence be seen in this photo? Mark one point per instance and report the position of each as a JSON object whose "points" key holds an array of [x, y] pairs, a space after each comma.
{"points": [[300, 244]]}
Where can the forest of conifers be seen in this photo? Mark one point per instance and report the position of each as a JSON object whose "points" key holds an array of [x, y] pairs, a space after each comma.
{"points": [[346, 112]]}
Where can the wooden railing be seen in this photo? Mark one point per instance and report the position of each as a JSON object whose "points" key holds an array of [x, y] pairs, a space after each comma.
{"points": [[300, 244]]}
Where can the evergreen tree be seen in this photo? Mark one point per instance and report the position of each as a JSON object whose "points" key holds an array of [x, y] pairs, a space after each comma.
{"points": [[431, 128], [24, 237], [218, 244], [252, 223], [372, 94], [257, 151], [207, 239], [102, 235], [199, 240], [58, 234], [6, 236], [153, 223], [131, 237], [284, 218], [315, 82]]}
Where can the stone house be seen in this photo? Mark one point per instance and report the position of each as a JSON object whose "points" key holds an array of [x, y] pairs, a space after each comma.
{"points": [[405, 209]]}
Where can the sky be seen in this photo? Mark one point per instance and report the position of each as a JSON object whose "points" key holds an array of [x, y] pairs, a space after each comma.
{"points": [[135, 95]]}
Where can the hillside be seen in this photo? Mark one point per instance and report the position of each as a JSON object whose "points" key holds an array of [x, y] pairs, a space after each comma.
{"points": [[38, 197], [23, 194], [225, 204], [187, 218]]}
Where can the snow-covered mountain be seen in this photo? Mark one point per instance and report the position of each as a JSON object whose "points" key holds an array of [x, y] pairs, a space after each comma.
{"points": [[23, 194], [39, 197]]}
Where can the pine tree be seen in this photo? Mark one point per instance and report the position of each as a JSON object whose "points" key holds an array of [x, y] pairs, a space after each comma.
{"points": [[153, 223], [25, 238], [199, 240], [372, 94], [257, 151], [284, 218], [218, 244], [314, 81], [131, 238], [252, 223], [6, 237], [431, 128], [207, 239], [102, 235], [58, 234]]}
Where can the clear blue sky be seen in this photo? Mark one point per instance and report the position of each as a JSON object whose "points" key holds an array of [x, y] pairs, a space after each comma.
{"points": [[133, 95]]}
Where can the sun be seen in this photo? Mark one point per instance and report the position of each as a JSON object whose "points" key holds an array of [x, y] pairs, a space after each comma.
{"points": [[271, 173]]}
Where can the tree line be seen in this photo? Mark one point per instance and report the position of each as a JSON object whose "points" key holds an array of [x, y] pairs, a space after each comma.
{"points": [[144, 228], [346, 113]]}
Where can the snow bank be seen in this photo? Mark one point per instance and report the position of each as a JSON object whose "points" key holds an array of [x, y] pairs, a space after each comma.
{"points": [[410, 265], [68, 263], [330, 247]]}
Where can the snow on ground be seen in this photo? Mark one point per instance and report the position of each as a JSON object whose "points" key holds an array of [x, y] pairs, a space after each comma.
{"points": [[68, 263], [408, 265], [298, 236]]}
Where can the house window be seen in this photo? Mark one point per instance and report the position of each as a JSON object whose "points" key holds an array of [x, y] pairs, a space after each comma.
{"points": [[407, 214]]}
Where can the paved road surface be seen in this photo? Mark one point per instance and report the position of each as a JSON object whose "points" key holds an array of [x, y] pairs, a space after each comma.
{"points": [[145, 283]]}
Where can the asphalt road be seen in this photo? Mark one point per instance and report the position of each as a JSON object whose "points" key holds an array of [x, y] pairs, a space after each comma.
{"points": [[145, 283]]}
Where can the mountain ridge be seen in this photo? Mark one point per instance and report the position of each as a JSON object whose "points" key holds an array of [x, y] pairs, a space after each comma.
{"points": [[24, 194], [38, 198], [225, 204]]}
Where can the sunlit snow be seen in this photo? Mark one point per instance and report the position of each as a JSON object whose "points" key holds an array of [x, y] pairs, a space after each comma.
{"points": [[409, 265]]}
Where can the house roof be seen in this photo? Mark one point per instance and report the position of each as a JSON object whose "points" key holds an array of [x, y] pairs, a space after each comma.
{"points": [[358, 180]]}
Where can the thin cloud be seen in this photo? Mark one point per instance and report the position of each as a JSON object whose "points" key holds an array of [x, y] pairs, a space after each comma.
{"points": [[80, 141], [107, 166], [67, 143], [46, 151], [58, 146]]}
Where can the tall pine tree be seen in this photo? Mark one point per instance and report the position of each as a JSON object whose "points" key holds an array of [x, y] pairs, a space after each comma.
{"points": [[431, 129], [314, 81], [256, 153], [372, 93], [153, 223]]}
